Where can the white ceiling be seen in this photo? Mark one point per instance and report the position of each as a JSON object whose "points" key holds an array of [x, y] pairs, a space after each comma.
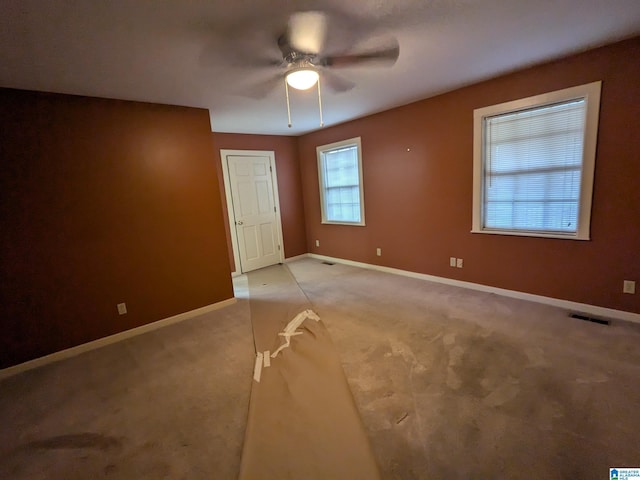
{"points": [[192, 52]]}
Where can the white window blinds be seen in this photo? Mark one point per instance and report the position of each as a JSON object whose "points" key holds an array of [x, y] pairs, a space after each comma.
{"points": [[341, 178], [533, 168]]}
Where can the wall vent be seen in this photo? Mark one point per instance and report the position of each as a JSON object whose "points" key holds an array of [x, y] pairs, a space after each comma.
{"points": [[587, 318]]}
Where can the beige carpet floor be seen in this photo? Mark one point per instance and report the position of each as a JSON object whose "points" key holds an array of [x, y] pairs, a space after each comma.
{"points": [[450, 384], [169, 404], [458, 384]]}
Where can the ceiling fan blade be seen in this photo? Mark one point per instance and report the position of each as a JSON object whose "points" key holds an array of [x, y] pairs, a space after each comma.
{"points": [[243, 44], [336, 83], [260, 90], [284, 45], [212, 58], [306, 31], [384, 57]]}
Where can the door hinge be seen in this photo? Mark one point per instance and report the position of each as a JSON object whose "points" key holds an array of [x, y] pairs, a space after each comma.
{"points": [[270, 169], [278, 247], [274, 209]]}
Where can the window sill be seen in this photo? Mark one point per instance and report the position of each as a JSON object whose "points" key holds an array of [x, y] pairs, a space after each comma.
{"points": [[568, 236], [361, 224]]}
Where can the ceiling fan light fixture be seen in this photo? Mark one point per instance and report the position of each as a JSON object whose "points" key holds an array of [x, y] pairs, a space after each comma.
{"points": [[302, 78]]}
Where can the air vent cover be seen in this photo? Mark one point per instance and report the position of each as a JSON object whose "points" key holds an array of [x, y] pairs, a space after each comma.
{"points": [[587, 318]]}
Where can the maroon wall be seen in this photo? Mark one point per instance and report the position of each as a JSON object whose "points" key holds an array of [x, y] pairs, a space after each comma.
{"points": [[289, 187], [102, 202], [418, 203]]}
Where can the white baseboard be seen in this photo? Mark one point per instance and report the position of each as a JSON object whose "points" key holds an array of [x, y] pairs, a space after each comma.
{"points": [[556, 302], [117, 337], [297, 257]]}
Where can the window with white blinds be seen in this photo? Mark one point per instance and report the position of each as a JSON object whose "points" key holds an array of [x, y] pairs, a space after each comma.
{"points": [[534, 170], [340, 176]]}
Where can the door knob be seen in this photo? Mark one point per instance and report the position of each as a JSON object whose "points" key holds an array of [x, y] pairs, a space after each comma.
{"points": [[239, 223]]}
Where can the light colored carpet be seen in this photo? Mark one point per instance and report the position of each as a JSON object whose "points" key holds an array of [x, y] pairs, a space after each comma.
{"points": [[450, 384], [458, 384], [169, 404]]}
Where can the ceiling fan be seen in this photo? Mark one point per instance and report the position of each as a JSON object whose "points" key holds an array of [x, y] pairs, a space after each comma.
{"points": [[305, 60], [302, 47]]}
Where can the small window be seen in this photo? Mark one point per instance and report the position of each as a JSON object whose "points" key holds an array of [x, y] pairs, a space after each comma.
{"points": [[534, 161], [340, 175]]}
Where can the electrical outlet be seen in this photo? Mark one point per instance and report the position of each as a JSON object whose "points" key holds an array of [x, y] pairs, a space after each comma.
{"points": [[122, 308], [317, 243], [379, 252], [452, 261], [629, 286], [459, 263]]}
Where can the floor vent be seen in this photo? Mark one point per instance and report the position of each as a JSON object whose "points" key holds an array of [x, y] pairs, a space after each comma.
{"points": [[589, 319], [328, 263]]}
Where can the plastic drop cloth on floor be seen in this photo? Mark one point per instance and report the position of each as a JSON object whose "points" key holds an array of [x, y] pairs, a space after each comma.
{"points": [[303, 422]]}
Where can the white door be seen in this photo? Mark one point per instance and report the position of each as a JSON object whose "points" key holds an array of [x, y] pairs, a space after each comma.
{"points": [[253, 211]]}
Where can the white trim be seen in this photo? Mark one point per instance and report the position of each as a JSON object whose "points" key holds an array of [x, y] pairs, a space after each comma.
{"points": [[320, 150], [591, 93], [297, 257], [556, 302], [525, 233], [224, 153], [227, 193], [117, 337]]}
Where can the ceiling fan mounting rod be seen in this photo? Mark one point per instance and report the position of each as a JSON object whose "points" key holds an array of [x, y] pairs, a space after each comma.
{"points": [[299, 59]]}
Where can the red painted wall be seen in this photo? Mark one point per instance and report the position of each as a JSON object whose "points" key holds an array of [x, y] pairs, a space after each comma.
{"points": [[289, 187], [102, 202], [417, 163]]}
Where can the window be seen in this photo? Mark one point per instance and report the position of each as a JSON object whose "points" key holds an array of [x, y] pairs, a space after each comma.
{"points": [[533, 164], [340, 175]]}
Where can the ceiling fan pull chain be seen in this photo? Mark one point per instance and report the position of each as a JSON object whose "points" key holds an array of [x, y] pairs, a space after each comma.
{"points": [[320, 103], [286, 89]]}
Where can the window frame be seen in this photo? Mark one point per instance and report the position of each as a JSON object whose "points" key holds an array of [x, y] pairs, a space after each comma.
{"points": [[320, 151], [590, 92]]}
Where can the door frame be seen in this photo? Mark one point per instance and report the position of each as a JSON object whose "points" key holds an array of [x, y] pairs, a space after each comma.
{"points": [[224, 153]]}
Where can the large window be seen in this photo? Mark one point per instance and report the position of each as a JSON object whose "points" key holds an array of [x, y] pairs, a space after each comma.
{"points": [[533, 164], [340, 175]]}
